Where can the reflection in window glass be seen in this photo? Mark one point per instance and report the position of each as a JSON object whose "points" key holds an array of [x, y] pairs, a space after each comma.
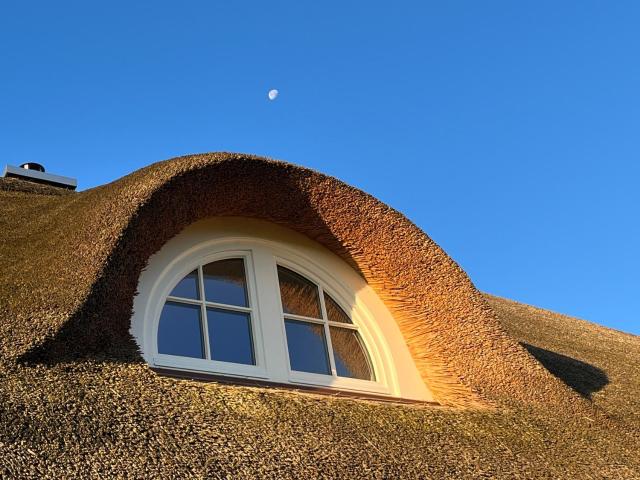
{"points": [[334, 312], [307, 347], [299, 295], [224, 282], [187, 287], [230, 336], [349, 354], [179, 331]]}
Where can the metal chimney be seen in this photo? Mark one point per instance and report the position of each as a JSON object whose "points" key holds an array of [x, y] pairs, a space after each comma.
{"points": [[34, 172]]}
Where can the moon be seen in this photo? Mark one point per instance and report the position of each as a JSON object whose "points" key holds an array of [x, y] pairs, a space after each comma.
{"points": [[273, 94]]}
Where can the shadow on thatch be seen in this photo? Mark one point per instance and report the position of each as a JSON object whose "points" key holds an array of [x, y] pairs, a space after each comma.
{"points": [[88, 336], [580, 376]]}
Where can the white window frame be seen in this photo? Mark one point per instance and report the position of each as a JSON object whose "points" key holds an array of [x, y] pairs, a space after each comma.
{"points": [[268, 328]]}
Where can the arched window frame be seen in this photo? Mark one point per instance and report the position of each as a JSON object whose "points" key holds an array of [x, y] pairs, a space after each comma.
{"points": [[261, 260]]}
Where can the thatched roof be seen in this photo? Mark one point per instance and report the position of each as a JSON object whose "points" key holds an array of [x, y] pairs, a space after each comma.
{"points": [[77, 399]]}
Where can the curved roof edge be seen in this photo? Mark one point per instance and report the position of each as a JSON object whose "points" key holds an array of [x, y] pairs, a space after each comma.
{"points": [[87, 250]]}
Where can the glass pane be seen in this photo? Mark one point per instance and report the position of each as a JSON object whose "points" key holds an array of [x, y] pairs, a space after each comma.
{"points": [[224, 282], [179, 331], [349, 354], [334, 312], [299, 295], [307, 347], [187, 287], [230, 336]]}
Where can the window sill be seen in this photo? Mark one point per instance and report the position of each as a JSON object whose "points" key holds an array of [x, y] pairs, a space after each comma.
{"points": [[316, 390]]}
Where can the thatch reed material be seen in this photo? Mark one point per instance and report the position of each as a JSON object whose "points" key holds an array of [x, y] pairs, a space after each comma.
{"points": [[77, 401]]}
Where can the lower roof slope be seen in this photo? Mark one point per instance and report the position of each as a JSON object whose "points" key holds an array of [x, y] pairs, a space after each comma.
{"points": [[103, 419]]}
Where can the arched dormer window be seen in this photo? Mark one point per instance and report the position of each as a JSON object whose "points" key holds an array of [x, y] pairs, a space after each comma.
{"points": [[245, 298]]}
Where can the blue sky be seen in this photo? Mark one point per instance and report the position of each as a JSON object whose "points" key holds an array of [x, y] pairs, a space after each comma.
{"points": [[508, 131]]}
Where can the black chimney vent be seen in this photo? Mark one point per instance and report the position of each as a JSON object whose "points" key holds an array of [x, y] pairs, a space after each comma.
{"points": [[33, 166]]}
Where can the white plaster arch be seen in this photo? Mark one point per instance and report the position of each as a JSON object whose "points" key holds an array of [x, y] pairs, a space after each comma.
{"points": [[264, 245]]}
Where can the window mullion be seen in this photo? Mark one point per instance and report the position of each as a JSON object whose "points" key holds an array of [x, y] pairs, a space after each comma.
{"points": [[203, 310], [327, 334], [269, 308]]}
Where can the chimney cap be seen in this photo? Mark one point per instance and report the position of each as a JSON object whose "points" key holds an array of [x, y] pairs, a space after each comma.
{"points": [[33, 166]]}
